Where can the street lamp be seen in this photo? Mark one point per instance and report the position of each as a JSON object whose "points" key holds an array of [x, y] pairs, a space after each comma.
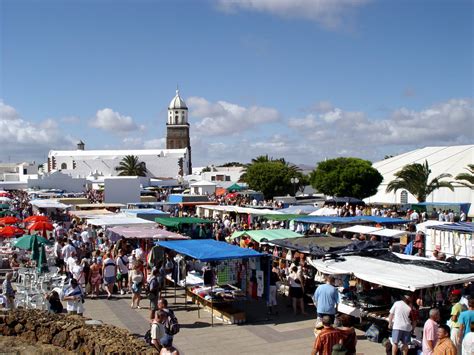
{"points": [[294, 181]]}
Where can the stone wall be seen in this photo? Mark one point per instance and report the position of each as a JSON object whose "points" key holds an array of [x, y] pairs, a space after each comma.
{"points": [[70, 332]]}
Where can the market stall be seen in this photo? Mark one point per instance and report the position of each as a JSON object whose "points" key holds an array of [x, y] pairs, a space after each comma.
{"points": [[196, 228], [266, 235], [384, 273], [121, 220], [230, 275], [453, 239], [141, 232]]}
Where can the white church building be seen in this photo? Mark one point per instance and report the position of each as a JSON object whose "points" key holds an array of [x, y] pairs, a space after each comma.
{"points": [[167, 163]]}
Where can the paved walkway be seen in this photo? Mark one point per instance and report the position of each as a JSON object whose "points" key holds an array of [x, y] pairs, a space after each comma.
{"points": [[262, 334]]}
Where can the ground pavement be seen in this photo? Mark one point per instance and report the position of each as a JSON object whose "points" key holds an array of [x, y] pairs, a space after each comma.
{"points": [[261, 334]]}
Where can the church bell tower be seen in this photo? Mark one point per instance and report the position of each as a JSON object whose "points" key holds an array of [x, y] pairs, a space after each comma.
{"points": [[177, 127]]}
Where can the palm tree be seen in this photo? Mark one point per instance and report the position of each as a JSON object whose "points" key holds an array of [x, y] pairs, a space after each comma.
{"points": [[130, 166], [414, 178], [468, 177]]}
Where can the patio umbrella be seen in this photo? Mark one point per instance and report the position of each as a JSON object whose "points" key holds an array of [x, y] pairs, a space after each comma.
{"points": [[36, 219], [5, 194], [27, 241], [232, 195], [235, 187], [4, 206], [9, 220], [11, 231], [41, 226], [5, 199]]}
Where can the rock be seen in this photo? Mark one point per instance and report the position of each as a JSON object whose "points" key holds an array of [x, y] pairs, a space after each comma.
{"points": [[29, 337], [60, 339], [19, 328]]}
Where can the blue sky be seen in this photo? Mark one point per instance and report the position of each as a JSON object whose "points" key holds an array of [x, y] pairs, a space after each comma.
{"points": [[304, 80]]}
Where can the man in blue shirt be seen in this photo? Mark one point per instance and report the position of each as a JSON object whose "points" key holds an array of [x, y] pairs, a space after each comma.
{"points": [[326, 298]]}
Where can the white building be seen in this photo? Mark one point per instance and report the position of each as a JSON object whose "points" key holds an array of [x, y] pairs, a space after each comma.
{"points": [[450, 160], [203, 187], [17, 171], [161, 163]]}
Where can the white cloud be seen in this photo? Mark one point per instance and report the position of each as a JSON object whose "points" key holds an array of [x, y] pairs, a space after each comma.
{"points": [[158, 143], [111, 121], [225, 118], [446, 123], [22, 139], [329, 13]]}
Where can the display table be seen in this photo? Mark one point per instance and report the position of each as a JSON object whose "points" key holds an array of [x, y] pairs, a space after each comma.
{"points": [[227, 310]]}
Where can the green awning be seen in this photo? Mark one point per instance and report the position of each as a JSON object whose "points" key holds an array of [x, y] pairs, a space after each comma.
{"points": [[234, 187], [4, 206], [267, 234], [178, 221], [281, 217]]}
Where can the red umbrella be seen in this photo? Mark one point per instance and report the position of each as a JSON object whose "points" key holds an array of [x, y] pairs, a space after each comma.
{"points": [[41, 226], [9, 220], [232, 195], [36, 219], [11, 231], [5, 194]]}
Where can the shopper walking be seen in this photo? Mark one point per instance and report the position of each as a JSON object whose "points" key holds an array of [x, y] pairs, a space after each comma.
{"points": [[326, 299], [401, 324], [430, 332]]}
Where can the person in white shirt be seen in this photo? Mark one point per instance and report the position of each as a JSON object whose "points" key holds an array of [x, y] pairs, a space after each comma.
{"points": [[414, 217], [67, 250], [401, 324], [158, 328], [85, 237], [74, 298], [109, 272], [122, 274], [462, 217]]}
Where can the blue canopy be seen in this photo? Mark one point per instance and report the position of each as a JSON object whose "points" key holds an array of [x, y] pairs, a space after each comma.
{"points": [[209, 249], [384, 220], [350, 220], [462, 227], [143, 211]]}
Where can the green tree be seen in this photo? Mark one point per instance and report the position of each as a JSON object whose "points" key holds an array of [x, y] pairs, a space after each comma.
{"points": [[271, 177], [466, 179], [342, 177], [414, 178], [131, 166], [231, 164]]}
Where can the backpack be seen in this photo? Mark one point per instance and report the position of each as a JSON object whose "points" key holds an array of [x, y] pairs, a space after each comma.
{"points": [[373, 333], [172, 325], [152, 293], [148, 336]]}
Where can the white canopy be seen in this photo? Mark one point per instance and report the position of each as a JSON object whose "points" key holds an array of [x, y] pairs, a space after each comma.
{"points": [[391, 233], [238, 209], [48, 203], [424, 226], [325, 211], [361, 229], [390, 274], [109, 221]]}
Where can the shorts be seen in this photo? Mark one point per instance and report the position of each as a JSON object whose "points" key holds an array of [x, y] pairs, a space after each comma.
{"points": [[109, 280], [296, 292], [272, 300], [136, 288], [154, 304], [59, 262], [401, 335]]}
